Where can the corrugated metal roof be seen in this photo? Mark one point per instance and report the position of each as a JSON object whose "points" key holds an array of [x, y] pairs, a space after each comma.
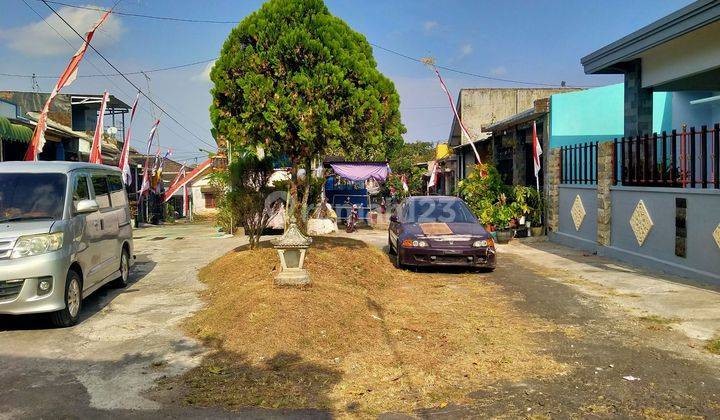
{"points": [[15, 132]]}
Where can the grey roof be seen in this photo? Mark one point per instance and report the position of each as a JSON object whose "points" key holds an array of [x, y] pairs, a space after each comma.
{"points": [[51, 166], [689, 18]]}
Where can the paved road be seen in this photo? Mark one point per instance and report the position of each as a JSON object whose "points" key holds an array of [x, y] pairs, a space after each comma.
{"points": [[106, 366], [126, 340]]}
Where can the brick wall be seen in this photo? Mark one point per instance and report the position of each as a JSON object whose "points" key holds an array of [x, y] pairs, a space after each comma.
{"points": [[552, 189], [604, 201]]}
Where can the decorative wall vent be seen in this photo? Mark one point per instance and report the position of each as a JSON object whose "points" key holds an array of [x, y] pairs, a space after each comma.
{"points": [[641, 223], [577, 212], [716, 235]]}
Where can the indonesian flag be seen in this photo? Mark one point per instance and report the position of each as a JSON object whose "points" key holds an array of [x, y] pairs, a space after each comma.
{"points": [[537, 151], [457, 116], [66, 78], [186, 201], [96, 148], [157, 182], [433, 169], [124, 163], [180, 174], [146, 169], [404, 183]]}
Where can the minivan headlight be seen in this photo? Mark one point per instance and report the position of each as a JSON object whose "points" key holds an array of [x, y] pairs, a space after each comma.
{"points": [[30, 245]]}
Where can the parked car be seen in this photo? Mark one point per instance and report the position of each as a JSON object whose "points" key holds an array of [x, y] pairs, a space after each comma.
{"points": [[439, 230], [64, 232]]}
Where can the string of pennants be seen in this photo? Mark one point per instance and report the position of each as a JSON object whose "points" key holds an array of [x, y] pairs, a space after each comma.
{"points": [[67, 77]]}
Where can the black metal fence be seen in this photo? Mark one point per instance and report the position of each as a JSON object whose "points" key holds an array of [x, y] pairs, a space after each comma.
{"points": [[688, 159], [578, 163]]}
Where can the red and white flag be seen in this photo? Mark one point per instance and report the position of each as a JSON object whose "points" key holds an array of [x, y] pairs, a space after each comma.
{"points": [[145, 187], [180, 174], [457, 116], [537, 151], [66, 78], [124, 163], [186, 200], [96, 148], [404, 183]]}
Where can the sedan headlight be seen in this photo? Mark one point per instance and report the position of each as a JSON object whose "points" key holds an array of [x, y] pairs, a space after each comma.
{"points": [[30, 245], [414, 243], [483, 243]]}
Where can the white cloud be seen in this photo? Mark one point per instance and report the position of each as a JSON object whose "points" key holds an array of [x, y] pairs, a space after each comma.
{"points": [[204, 75], [39, 39], [429, 25], [465, 50], [498, 71]]}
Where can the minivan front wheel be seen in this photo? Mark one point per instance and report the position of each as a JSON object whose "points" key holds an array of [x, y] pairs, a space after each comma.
{"points": [[122, 281], [70, 315]]}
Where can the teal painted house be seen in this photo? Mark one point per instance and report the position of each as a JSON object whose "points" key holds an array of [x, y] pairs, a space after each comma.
{"points": [[598, 115]]}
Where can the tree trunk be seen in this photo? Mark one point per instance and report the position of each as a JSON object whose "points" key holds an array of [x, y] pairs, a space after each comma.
{"points": [[292, 209], [306, 193]]}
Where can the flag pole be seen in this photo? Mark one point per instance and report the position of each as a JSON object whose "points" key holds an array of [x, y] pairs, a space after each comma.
{"points": [[431, 62]]}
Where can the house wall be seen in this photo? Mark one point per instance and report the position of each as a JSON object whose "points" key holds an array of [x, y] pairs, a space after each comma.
{"points": [[692, 53], [702, 260], [484, 106], [585, 236], [694, 115], [684, 231], [198, 199], [598, 115]]}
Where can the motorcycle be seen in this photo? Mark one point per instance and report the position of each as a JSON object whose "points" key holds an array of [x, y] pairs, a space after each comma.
{"points": [[352, 220]]}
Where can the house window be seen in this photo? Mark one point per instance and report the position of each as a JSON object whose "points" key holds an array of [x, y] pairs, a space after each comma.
{"points": [[209, 200]]}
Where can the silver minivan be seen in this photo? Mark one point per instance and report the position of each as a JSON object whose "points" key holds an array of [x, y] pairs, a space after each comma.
{"points": [[64, 233]]}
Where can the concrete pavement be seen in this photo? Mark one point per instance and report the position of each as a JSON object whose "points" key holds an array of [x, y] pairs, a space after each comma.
{"points": [[125, 341]]}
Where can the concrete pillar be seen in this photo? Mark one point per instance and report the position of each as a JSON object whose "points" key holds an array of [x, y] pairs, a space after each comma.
{"points": [[552, 190], [604, 182], [638, 102]]}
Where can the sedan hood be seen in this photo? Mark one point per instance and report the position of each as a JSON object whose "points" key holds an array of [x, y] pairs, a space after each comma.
{"points": [[20, 228], [469, 229]]}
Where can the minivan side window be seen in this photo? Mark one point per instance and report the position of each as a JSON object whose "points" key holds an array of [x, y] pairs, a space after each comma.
{"points": [[81, 191], [102, 194], [118, 196]]}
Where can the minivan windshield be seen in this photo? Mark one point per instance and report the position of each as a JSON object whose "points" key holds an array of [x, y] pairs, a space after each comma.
{"points": [[31, 196]]}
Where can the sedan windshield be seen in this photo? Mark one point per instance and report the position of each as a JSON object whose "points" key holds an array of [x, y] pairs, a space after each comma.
{"points": [[445, 211], [29, 196]]}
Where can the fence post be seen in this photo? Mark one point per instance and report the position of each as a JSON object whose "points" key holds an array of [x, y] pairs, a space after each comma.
{"points": [[605, 173], [553, 189]]}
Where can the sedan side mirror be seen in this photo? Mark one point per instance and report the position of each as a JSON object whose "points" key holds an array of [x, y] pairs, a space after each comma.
{"points": [[394, 218], [86, 206]]}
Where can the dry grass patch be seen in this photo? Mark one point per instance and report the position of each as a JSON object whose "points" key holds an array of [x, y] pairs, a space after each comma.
{"points": [[713, 346], [656, 322], [364, 338]]}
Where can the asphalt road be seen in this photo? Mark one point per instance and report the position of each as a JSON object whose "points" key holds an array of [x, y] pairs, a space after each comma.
{"points": [[107, 366]]}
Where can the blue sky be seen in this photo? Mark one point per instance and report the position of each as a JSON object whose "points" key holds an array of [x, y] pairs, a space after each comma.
{"points": [[531, 41]]}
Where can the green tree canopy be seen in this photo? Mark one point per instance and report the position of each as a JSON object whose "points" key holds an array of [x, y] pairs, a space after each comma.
{"points": [[301, 83]]}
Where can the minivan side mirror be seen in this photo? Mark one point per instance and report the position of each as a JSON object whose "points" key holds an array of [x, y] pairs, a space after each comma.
{"points": [[86, 206]]}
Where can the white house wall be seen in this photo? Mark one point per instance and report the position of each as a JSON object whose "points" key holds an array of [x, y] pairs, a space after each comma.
{"points": [[690, 54]]}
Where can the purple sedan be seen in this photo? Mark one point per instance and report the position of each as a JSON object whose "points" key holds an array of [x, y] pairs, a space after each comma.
{"points": [[439, 230]]}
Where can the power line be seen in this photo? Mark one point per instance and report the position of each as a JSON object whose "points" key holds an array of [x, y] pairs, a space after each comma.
{"points": [[408, 57], [466, 73], [131, 73], [97, 9], [125, 77]]}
